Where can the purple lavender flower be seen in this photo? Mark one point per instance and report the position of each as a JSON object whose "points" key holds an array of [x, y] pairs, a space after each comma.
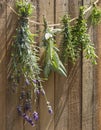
{"points": [[27, 82], [19, 109], [43, 92], [24, 114], [37, 91], [27, 106], [50, 110], [35, 81], [32, 124], [35, 116], [26, 117], [31, 121]]}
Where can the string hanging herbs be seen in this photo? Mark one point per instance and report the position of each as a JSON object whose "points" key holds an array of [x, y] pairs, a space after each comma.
{"points": [[51, 60], [67, 46], [82, 39], [25, 65]]}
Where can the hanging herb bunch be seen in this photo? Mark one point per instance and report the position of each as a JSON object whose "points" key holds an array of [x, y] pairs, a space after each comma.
{"points": [[81, 39], [95, 15], [67, 46], [51, 60], [25, 65]]}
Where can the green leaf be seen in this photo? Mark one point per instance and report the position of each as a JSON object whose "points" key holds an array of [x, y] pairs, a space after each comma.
{"points": [[51, 54], [62, 72], [47, 70]]}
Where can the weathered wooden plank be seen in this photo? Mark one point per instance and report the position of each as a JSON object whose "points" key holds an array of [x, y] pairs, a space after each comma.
{"points": [[67, 90], [47, 120], [46, 8], [67, 102], [74, 7], [87, 87], [74, 100], [2, 65], [98, 79], [87, 96], [2, 9], [61, 9], [74, 105], [61, 112]]}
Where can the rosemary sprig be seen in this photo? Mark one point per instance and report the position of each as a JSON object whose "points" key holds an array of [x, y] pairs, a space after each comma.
{"points": [[52, 60]]}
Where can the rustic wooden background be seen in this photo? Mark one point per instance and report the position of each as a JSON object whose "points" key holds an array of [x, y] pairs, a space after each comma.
{"points": [[76, 100]]}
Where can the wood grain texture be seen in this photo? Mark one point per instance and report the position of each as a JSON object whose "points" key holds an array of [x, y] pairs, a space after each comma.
{"points": [[98, 79], [87, 87], [47, 120], [2, 65], [61, 114], [61, 87], [67, 90], [87, 96], [74, 7], [67, 101], [46, 8]]}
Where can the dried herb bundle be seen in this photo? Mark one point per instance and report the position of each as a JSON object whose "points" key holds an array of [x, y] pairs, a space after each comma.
{"points": [[67, 46], [81, 38], [25, 65], [52, 60]]}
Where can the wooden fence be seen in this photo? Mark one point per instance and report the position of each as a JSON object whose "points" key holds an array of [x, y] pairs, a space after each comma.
{"points": [[76, 100]]}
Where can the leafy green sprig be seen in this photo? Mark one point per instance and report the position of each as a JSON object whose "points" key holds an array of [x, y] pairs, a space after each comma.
{"points": [[81, 38], [95, 15], [24, 8], [67, 46], [25, 65], [52, 60]]}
